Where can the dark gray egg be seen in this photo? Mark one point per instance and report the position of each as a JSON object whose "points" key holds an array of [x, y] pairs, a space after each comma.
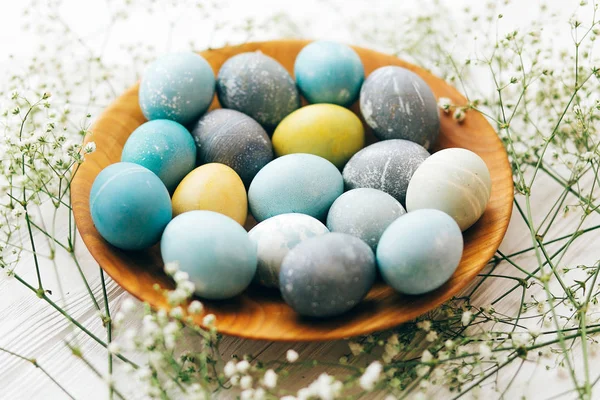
{"points": [[327, 275], [234, 139], [398, 104], [387, 166]]}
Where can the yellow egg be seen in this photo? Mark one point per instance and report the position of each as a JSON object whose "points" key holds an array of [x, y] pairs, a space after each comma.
{"points": [[326, 130], [213, 187]]}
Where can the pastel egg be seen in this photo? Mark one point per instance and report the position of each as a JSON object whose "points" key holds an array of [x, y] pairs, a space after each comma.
{"points": [[329, 72], [326, 130], [420, 251], [455, 181], [327, 275], [213, 249], [258, 86], [275, 237], [364, 213], [387, 166], [164, 147], [130, 206], [296, 183], [398, 104], [213, 187], [177, 86], [234, 139]]}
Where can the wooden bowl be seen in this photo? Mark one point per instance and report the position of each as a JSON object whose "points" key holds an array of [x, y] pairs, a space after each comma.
{"points": [[260, 313]]}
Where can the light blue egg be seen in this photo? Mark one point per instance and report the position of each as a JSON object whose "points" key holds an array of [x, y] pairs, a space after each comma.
{"points": [[329, 72], [165, 148], [213, 249], [130, 206], [177, 86], [296, 183], [420, 251]]}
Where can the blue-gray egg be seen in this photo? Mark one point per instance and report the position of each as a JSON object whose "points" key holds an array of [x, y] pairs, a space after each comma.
{"points": [[234, 139], [364, 213], [420, 251], [327, 275], [387, 166], [275, 237], [397, 104], [258, 86]]}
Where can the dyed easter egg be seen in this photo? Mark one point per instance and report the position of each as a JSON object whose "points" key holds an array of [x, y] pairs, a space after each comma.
{"points": [[455, 181], [326, 130], [329, 72], [387, 166], [327, 275], [130, 206], [296, 183], [177, 86], [364, 213], [258, 86], [164, 147], [234, 139], [275, 237], [420, 251], [213, 249], [398, 104], [213, 187]]}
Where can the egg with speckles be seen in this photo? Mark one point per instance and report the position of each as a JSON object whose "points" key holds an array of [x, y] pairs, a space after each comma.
{"points": [[327, 275], [364, 213], [275, 237], [387, 166], [397, 104], [296, 183], [420, 251], [177, 86], [455, 181], [258, 86]]}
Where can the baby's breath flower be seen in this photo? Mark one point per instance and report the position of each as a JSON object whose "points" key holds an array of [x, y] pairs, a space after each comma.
{"points": [[89, 148], [484, 350], [426, 356], [466, 317], [371, 375], [128, 305], [246, 382], [444, 103], [171, 268], [230, 369], [534, 331], [113, 348], [424, 325], [176, 312], [356, 348], [432, 336], [449, 344], [195, 307], [459, 115], [291, 355], [270, 379], [242, 366]]}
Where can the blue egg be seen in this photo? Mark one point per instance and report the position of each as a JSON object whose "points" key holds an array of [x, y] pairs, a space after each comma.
{"points": [[296, 183], [177, 86], [329, 72], [130, 206], [420, 251], [213, 249], [165, 148]]}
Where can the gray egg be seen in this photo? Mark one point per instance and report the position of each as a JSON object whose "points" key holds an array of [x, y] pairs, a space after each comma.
{"points": [[258, 86], [397, 104], [234, 139], [387, 166], [327, 275]]}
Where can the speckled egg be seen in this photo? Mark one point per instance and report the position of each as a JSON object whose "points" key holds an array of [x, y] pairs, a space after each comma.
{"points": [[130, 206], [327, 275], [213, 187], [420, 251], [296, 183], [275, 237], [213, 249], [164, 147], [234, 139], [258, 86], [455, 181], [326, 130], [329, 72], [177, 86], [364, 213], [398, 104], [386, 166]]}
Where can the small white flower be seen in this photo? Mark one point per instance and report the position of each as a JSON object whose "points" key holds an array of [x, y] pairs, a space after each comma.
{"points": [[270, 379], [89, 148], [176, 312], [390, 397], [246, 382], [431, 336], [209, 320], [426, 356], [291, 355], [235, 380], [247, 394], [459, 114], [444, 103], [449, 344], [369, 378], [195, 307], [171, 268], [128, 305], [356, 348], [113, 348], [118, 318], [181, 276], [466, 317], [242, 366], [288, 398], [259, 394], [419, 396], [230, 369], [422, 370], [534, 331], [484, 350], [424, 325]]}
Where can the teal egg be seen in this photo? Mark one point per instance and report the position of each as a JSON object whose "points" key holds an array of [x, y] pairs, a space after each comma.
{"points": [[420, 251], [130, 206], [213, 249], [165, 148]]}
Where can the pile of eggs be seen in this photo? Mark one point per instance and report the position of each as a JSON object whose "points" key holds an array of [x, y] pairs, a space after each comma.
{"points": [[332, 213]]}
